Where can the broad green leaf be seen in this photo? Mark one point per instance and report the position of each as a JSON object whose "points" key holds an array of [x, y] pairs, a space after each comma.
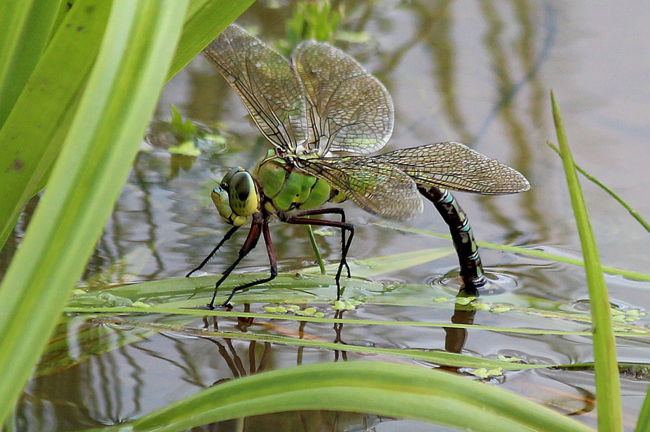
{"points": [[38, 124], [34, 130], [104, 137], [24, 33], [385, 389]]}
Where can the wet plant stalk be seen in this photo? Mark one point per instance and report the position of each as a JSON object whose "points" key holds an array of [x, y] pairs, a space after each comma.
{"points": [[319, 257]]}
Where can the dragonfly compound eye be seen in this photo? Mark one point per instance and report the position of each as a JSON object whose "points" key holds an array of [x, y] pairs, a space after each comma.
{"points": [[222, 203], [244, 199]]}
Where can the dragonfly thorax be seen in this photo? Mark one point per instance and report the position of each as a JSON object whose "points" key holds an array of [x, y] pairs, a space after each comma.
{"points": [[285, 188], [236, 197]]}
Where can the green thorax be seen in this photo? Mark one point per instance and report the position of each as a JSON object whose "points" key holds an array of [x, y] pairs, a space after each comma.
{"points": [[285, 188]]}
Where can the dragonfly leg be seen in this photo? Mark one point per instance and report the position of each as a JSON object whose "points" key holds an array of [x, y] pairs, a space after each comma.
{"points": [[298, 219], [214, 251], [338, 211], [272, 261], [471, 269], [249, 245]]}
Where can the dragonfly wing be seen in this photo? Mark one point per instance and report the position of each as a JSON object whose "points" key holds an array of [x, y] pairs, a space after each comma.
{"points": [[349, 110], [265, 83], [377, 187], [455, 166]]}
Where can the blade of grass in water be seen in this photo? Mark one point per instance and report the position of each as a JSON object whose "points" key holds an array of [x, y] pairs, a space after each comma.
{"points": [[608, 390], [524, 251], [611, 193]]}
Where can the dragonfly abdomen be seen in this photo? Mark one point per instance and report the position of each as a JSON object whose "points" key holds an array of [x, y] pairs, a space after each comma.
{"points": [[285, 188]]}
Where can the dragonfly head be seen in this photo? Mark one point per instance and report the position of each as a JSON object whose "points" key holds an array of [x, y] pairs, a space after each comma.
{"points": [[236, 197]]}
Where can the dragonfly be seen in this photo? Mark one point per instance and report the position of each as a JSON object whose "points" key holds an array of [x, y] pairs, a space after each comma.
{"points": [[325, 116]]}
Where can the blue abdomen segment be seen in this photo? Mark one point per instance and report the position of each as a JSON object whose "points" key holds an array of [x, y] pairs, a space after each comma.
{"points": [[471, 269]]}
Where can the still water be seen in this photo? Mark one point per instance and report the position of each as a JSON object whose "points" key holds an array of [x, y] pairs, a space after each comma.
{"points": [[478, 72]]}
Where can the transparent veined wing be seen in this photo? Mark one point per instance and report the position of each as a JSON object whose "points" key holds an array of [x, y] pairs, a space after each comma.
{"points": [[379, 188], [455, 166], [349, 110], [265, 83]]}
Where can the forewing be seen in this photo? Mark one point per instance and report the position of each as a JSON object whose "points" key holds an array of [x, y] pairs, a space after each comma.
{"points": [[454, 166], [265, 83], [377, 187], [349, 110]]}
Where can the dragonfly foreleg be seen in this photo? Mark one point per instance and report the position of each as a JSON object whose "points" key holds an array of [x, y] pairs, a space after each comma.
{"points": [[471, 269], [249, 245], [272, 261], [214, 251], [299, 219]]}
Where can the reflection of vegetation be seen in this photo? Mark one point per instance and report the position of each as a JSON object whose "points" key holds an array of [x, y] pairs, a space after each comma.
{"points": [[319, 20], [313, 20]]}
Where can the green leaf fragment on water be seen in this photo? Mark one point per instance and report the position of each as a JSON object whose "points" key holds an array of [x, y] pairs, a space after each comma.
{"points": [[187, 127], [319, 315], [440, 299], [480, 372], [500, 309], [509, 359], [482, 306], [464, 301], [186, 148], [140, 304], [618, 318], [485, 373], [345, 305]]}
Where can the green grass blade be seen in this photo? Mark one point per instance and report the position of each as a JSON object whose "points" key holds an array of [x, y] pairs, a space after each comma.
{"points": [[608, 390], [386, 389], [524, 251], [610, 192], [113, 113], [204, 21], [643, 423]]}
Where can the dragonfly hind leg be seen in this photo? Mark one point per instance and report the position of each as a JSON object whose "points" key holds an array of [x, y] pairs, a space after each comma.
{"points": [[300, 219], [471, 269]]}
